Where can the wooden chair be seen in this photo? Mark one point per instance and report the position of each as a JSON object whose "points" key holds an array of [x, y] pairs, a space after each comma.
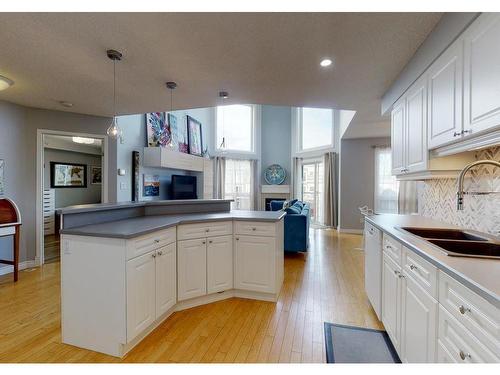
{"points": [[10, 225]]}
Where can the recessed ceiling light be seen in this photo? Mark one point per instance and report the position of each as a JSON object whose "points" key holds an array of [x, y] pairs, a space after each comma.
{"points": [[325, 62], [5, 83], [85, 141]]}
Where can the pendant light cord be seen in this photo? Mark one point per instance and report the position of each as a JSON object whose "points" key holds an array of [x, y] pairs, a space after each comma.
{"points": [[114, 88]]}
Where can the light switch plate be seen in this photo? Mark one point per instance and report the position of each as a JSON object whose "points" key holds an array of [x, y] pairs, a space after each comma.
{"points": [[123, 186]]}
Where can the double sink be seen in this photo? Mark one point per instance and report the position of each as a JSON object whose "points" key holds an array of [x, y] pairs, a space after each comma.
{"points": [[457, 242]]}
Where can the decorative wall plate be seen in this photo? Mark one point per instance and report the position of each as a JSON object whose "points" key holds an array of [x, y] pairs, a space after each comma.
{"points": [[275, 174]]}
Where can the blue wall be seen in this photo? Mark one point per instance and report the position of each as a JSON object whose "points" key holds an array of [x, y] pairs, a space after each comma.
{"points": [[276, 133]]}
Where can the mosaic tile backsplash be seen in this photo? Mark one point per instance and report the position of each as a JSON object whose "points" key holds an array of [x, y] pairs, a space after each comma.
{"points": [[437, 198]]}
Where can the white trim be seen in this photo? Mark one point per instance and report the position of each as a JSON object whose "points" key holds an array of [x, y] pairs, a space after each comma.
{"points": [[22, 266], [350, 231], [484, 140], [39, 258]]}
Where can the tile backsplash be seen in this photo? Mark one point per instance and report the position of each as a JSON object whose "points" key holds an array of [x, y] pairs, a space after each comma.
{"points": [[437, 198]]}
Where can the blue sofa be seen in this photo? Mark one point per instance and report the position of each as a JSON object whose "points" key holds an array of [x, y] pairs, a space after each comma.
{"points": [[296, 225]]}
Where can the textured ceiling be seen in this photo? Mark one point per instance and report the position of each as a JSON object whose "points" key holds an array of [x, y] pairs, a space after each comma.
{"points": [[262, 58]]}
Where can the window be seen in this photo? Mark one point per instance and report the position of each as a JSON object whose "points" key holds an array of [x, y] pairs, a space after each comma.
{"points": [[312, 188], [386, 185], [235, 128], [239, 184], [315, 128]]}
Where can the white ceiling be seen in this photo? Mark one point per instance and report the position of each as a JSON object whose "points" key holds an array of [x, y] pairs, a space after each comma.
{"points": [[261, 58]]}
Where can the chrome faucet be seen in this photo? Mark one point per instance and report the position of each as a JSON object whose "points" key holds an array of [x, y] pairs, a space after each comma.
{"points": [[461, 192]]}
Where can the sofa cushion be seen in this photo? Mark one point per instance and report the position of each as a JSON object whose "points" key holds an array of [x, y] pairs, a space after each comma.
{"points": [[293, 210], [292, 202], [299, 204]]}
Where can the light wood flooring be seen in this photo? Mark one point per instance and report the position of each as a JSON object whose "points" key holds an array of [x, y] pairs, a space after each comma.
{"points": [[51, 248], [324, 285]]}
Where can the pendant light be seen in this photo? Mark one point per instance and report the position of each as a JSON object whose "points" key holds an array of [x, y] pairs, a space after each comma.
{"points": [[114, 130], [171, 86], [223, 95]]}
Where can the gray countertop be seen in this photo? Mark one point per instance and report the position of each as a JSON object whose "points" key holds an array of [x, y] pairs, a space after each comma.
{"points": [[479, 274], [110, 206], [137, 226]]}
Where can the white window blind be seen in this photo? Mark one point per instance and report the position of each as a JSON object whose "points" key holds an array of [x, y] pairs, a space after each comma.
{"points": [[386, 185]]}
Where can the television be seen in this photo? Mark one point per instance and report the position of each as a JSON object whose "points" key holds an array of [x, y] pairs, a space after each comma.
{"points": [[183, 187]]}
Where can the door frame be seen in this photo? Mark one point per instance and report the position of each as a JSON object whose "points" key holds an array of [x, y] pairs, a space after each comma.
{"points": [[39, 249]]}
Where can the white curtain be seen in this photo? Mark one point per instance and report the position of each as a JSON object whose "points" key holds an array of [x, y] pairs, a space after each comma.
{"points": [[220, 174], [255, 184], [386, 185], [330, 210], [239, 183], [296, 178]]}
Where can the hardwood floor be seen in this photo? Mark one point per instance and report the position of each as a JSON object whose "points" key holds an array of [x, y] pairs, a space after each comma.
{"points": [[51, 244], [324, 285]]}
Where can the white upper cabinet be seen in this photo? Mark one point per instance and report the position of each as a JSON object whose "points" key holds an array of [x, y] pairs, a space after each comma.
{"points": [[398, 138], [445, 97], [416, 128], [482, 74]]}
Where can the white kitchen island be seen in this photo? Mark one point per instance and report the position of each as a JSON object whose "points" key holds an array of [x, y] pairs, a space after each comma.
{"points": [[121, 278]]}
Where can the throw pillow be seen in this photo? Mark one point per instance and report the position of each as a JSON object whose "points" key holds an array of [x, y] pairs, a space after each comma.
{"points": [[292, 210]]}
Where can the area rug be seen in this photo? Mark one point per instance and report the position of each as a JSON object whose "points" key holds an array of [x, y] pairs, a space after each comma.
{"points": [[348, 344]]}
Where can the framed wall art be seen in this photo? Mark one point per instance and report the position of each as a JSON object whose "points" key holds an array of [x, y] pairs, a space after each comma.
{"points": [[194, 136], [68, 175]]}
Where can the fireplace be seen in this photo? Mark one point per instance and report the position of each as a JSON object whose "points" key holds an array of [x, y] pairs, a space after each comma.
{"points": [[273, 193]]}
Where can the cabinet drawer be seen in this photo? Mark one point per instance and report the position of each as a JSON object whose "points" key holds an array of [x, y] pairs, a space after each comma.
{"points": [[202, 230], [421, 271], [471, 310], [392, 248], [142, 245], [255, 228], [459, 343]]}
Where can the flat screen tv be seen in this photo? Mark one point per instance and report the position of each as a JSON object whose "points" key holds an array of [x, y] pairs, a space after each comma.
{"points": [[184, 187]]}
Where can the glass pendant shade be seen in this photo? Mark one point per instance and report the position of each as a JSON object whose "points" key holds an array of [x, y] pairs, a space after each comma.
{"points": [[114, 131]]}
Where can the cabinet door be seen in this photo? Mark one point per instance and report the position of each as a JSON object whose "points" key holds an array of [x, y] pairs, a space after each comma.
{"points": [[255, 261], [373, 266], [482, 74], [219, 264], [140, 294], [166, 279], [192, 269], [398, 138], [416, 127], [445, 97], [418, 323], [391, 300]]}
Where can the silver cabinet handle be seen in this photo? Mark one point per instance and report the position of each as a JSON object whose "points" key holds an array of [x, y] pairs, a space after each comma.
{"points": [[204, 242], [463, 309], [388, 247], [210, 241], [153, 255], [467, 131], [397, 273], [160, 253], [457, 134], [237, 239], [413, 267], [207, 230], [464, 355], [401, 276], [157, 241], [254, 228]]}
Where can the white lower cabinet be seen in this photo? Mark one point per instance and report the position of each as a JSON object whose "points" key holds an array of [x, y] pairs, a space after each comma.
{"points": [[255, 260], [166, 279], [192, 268], [418, 323], [391, 299], [219, 264], [141, 294]]}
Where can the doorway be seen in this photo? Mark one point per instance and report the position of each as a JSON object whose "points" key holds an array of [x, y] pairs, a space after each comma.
{"points": [[71, 171], [313, 188]]}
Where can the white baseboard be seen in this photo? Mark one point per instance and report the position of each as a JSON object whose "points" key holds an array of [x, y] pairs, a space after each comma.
{"points": [[350, 231], [22, 266]]}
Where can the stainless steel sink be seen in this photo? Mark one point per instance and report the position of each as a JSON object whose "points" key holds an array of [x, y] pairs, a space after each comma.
{"points": [[443, 233], [457, 242], [469, 248]]}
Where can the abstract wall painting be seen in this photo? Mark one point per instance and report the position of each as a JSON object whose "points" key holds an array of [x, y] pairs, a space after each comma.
{"points": [[174, 131], [194, 136], [95, 175], [158, 131], [151, 186], [135, 175]]}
